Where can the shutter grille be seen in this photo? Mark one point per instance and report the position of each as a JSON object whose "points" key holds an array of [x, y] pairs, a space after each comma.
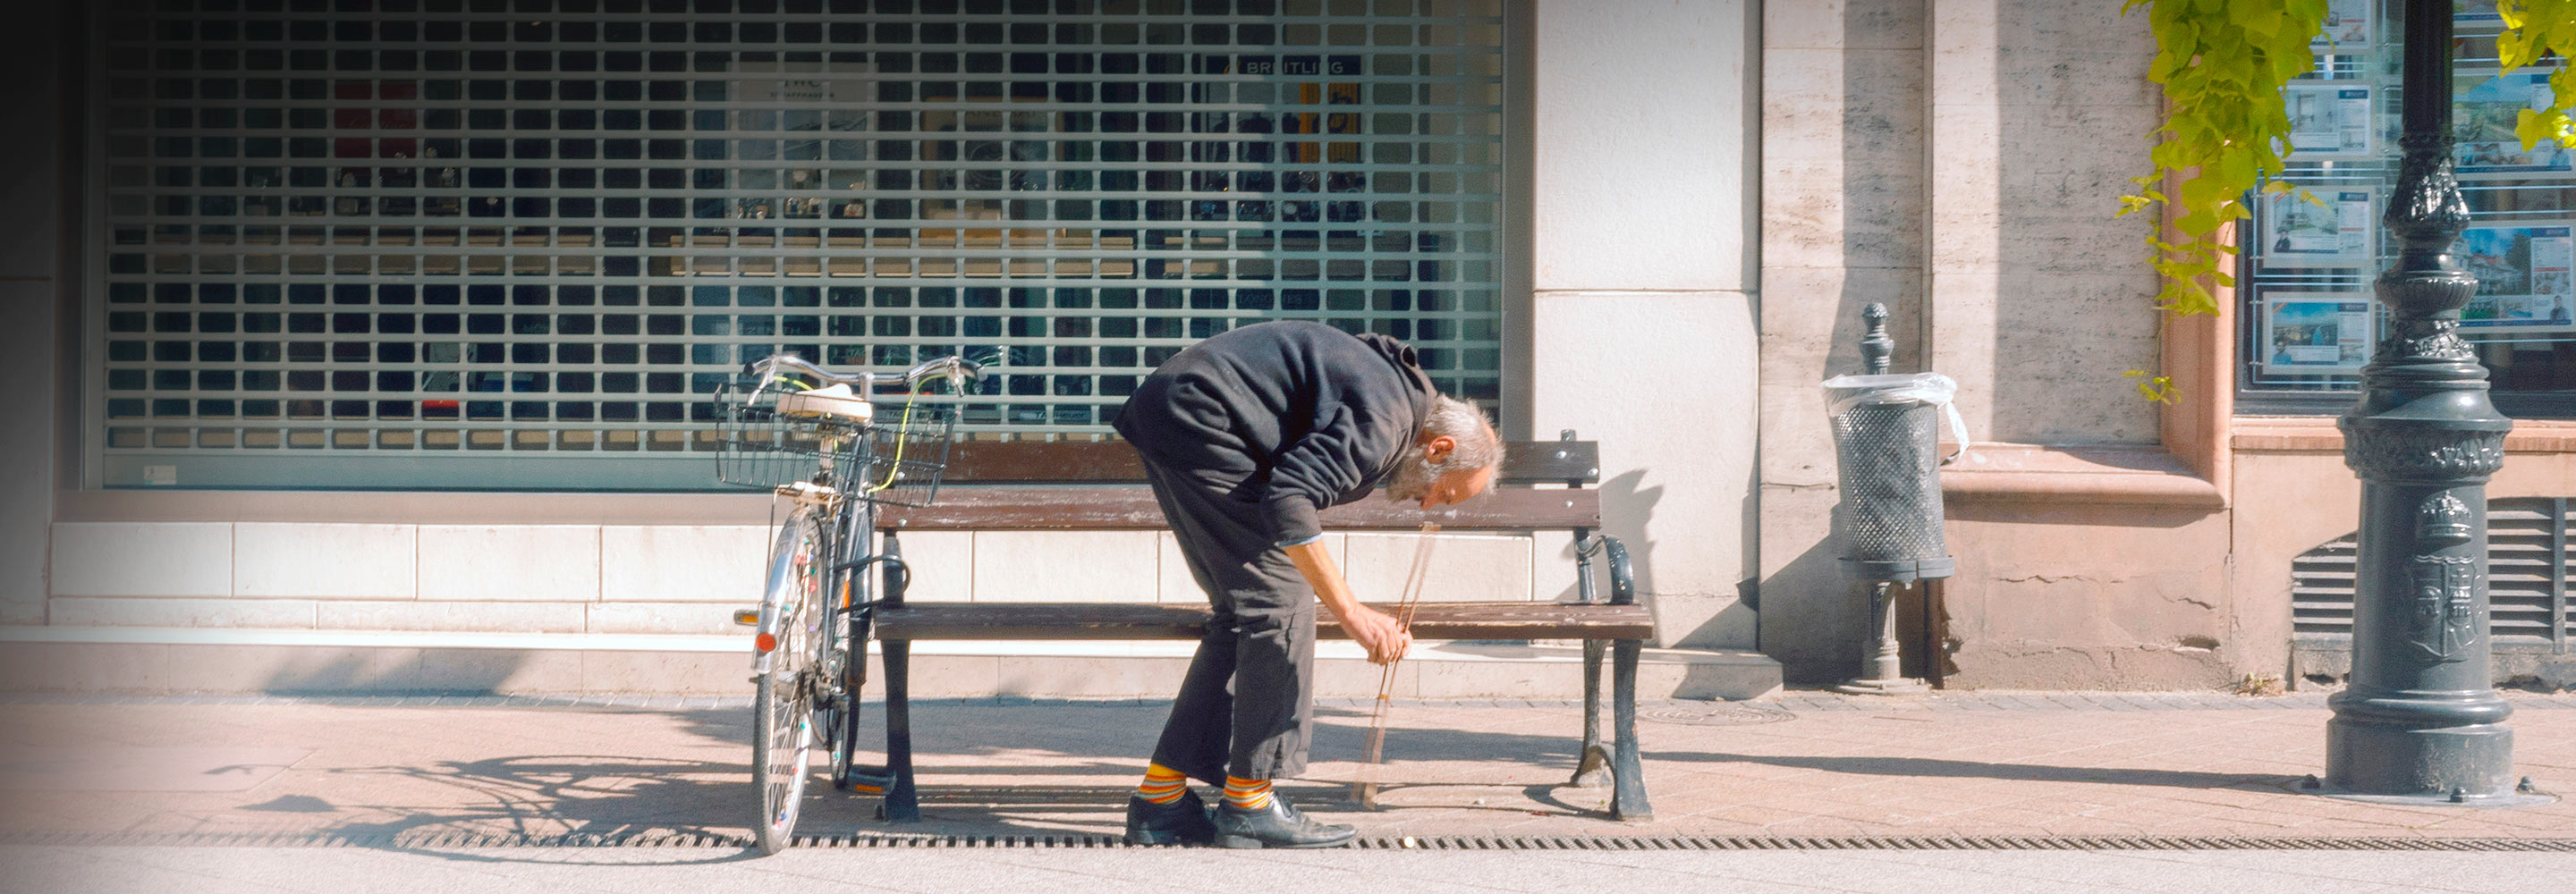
{"points": [[494, 244], [2526, 579]]}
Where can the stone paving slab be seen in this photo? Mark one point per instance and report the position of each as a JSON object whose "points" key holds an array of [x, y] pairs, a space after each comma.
{"points": [[1798, 764]]}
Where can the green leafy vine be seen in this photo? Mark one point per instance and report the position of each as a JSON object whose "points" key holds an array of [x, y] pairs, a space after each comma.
{"points": [[2536, 30], [2222, 65]]}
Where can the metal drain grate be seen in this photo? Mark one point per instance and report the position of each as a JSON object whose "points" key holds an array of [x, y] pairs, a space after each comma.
{"points": [[471, 841], [1718, 714]]}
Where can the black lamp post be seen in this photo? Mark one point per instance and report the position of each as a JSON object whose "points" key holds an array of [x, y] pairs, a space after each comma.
{"points": [[2421, 721]]}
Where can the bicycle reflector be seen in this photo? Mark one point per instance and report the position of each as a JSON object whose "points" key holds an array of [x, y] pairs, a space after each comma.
{"points": [[748, 617], [765, 642]]}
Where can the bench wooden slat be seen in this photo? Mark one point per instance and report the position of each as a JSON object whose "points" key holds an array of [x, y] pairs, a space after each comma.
{"points": [[1109, 462], [1135, 621], [1130, 507]]}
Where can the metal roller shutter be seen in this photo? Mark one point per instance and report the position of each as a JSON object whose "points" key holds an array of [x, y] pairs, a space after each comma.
{"points": [[512, 243]]}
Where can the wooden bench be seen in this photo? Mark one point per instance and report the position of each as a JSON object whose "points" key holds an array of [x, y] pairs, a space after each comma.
{"points": [[1098, 486]]}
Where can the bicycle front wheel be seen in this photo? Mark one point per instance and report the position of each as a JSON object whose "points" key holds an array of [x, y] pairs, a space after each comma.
{"points": [[782, 727], [782, 737]]}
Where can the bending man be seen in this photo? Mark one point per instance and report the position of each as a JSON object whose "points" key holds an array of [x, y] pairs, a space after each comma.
{"points": [[1244, 437]]}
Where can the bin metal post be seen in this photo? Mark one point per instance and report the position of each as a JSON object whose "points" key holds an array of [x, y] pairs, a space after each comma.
{"points": [[2421, 721]]}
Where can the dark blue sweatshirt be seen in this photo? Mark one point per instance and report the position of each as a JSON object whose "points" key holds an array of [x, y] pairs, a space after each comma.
{"points": [[1283, 418]]}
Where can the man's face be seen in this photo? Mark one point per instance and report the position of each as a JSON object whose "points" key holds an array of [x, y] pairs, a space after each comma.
{"points": [[1457, 486], [1418, 478]]}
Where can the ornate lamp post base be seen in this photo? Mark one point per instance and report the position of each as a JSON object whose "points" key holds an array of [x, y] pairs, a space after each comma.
{"points": [[2455, 766], [2522, 795]]}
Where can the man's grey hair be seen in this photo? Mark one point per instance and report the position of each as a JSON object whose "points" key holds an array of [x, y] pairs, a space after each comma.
{"points": [[1478, 446]]}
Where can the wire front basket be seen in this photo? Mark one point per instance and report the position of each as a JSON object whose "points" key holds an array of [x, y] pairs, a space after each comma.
{"points": [[895, 458]]}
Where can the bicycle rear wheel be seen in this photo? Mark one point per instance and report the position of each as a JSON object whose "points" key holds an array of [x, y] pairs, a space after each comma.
{"points": [[852, 628], [782, 727]]}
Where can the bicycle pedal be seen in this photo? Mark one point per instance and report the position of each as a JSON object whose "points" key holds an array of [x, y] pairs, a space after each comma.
{"points": [[869, 780]]}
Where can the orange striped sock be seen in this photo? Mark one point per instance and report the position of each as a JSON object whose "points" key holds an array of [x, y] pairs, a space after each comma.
{"points": [[1163, 785], [1247, 794]]}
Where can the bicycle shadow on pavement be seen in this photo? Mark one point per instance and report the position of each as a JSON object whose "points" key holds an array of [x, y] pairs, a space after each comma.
{"points": [[570, 798]]}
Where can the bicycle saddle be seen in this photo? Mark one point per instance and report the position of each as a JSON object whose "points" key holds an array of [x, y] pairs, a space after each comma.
{"points": [[834, 400]]}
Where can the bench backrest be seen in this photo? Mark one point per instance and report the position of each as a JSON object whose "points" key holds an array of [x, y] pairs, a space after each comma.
{"points": [[1098, 485], [1113, 462]]}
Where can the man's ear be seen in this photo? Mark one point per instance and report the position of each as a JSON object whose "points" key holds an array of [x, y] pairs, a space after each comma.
{"points": [[1438, 447]]}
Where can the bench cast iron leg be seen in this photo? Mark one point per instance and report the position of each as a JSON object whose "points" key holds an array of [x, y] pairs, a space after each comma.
{"points": [[1627, 775], [1592, 768], [902, 802], [1628, 780], [1592, 762]]}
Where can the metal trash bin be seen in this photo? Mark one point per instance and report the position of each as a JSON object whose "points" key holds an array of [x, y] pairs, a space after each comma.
{"points": [[1886, 440]]}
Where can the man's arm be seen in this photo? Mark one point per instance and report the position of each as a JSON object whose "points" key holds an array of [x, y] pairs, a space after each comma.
{"points": [[1374, 630]]}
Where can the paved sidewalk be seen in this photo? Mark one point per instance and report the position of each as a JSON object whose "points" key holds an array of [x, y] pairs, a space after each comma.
{"points": [[2209, 766]]}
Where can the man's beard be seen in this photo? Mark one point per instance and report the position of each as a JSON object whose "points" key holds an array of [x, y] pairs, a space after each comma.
{"points": [[1412, 479]]}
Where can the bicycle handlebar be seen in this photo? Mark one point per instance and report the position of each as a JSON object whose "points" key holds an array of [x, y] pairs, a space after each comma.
{"points": [[960, 372]]}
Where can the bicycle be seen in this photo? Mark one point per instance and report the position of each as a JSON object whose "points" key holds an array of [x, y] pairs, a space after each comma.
{"points": [[816, 438]]}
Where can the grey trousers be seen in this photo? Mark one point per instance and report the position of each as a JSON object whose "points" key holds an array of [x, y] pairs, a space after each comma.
{"points": [[1247, 706]]}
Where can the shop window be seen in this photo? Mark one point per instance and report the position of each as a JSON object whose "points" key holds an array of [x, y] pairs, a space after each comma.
{"points": [[2308, 320], [448, 238]]}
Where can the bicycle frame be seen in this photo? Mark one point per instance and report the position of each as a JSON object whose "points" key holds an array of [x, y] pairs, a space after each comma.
{"points": [[818, 600]]}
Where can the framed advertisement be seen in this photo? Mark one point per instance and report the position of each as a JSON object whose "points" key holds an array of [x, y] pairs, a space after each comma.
{"points": [[2330, 120], [2484, 145], [2348, 28], [2315, 333], [2526, 278], [821, 109], [2339, 232]]}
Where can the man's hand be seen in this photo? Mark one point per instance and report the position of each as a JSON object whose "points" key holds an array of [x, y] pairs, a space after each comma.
{"points": [[1378, 632]]}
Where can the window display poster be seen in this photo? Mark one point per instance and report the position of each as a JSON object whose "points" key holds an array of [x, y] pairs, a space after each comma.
{"points": [[2482, 122], [2347, 28], [2315, 333], [2329, 119], [2526, 278], [810, 101], [2303, 233]]}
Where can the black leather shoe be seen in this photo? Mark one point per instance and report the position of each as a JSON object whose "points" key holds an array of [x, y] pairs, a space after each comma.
{"points": [[1181, 822], [1277, 825]]}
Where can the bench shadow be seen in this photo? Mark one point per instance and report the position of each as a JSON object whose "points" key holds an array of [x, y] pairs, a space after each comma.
{"points": [[958, 741], [967, 788]]}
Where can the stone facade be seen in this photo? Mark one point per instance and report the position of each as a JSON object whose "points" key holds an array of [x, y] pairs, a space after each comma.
{"points": [[1703, 197]]}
